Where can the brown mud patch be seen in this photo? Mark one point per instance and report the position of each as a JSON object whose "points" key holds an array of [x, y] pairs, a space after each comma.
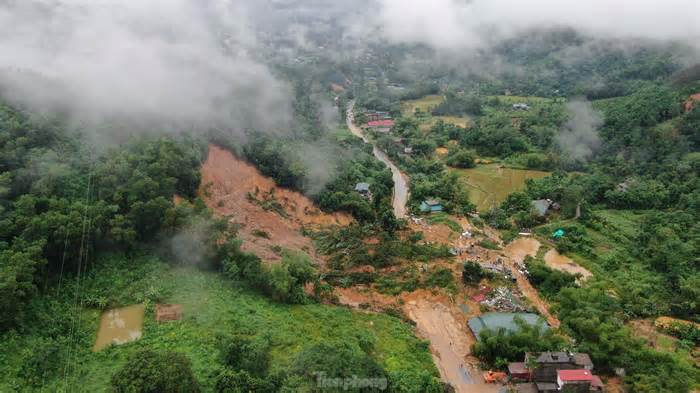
{"points": [[363, 297], [522, 247], [442, 323], [516, 253], [270, 218], [565, 264]]}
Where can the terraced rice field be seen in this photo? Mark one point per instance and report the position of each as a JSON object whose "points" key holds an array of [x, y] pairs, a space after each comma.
{"points": [[489, 185]]}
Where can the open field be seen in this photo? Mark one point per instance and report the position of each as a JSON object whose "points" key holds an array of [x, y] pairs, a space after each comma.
{"points": [[426, 105], [490, 184]]}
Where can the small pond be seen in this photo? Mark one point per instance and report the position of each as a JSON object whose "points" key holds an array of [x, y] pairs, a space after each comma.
{"points": [[119, 326]]}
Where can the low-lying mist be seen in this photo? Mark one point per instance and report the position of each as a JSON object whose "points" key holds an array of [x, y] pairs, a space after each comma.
{"points": [[176, 64]]}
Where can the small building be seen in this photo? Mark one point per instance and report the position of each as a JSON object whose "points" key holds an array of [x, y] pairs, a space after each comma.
{"points": [[431, 206], [544, 206], [518, 371], [578, 381], [549, 363], [168, 312], [503, 320], [377, 115], [380, 124], [570, 372], [408, 150], [363, 189], [521, 106]]}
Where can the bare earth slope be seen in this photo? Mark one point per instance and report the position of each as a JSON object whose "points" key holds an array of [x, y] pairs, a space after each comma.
{"points": [[269, 217]]}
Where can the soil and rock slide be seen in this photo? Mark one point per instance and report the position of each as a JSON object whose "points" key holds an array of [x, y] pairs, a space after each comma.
{"points": [[442, 318], [516, 253], [270, 218]]}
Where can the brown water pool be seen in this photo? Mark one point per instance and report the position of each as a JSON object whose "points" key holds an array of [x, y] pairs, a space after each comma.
{"points": [[119, 326]]}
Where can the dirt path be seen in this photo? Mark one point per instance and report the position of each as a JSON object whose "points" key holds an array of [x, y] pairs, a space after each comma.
{"points": [[270, 218], [450, 343], [401, 190], [516, 252]]}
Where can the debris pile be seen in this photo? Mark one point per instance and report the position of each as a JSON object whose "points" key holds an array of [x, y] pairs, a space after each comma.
{"points": [[503, 300]]}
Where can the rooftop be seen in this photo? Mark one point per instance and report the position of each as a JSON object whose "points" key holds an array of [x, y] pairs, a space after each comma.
{"points": [[582, 359], [574, 375], [578, 358], [381, 123], [362, 187], [542, 206], [518, 368], [502, 320]]}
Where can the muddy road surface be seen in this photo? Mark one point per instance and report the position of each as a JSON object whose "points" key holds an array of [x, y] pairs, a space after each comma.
{"points": [[401, 190]]}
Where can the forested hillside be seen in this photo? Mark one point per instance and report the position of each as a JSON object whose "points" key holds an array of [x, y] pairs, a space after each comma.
{"points": [[323, 196], [86, 229]]}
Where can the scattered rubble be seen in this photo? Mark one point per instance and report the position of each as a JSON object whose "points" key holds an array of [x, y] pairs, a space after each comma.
{"points": [[503, 300]]}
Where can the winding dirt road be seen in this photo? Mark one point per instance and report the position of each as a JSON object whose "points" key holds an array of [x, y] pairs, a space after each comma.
{"points": [[401, 190]]}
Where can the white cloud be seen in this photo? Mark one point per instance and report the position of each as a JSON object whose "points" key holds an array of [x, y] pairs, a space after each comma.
{"points": [[455, 24], [154, 61]]}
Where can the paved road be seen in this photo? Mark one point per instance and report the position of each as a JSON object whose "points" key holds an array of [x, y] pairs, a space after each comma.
{"points": [[401, 190]]}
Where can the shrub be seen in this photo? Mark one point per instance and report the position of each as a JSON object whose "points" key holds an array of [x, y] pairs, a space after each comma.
{"points": [[147, 371], [497, 348], [440, 277], [230, 381], [472, 273], [548, 281], [250, 355], [461, 159]]}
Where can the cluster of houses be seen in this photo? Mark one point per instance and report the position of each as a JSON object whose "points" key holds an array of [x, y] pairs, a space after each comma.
{"points": [[554, 372], [379, 121]]}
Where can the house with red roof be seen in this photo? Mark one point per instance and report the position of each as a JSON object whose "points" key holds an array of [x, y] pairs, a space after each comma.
{"points": [[554, 372], [381, 126], [577, 381]]}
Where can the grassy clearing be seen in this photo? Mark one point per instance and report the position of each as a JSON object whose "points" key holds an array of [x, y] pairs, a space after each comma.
{"points": [[213, 307], [426, 106], [489, 185], [444, 218]]}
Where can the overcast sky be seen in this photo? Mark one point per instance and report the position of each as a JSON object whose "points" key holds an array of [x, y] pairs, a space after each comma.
{"points": [[476, 23], [155, 60]]}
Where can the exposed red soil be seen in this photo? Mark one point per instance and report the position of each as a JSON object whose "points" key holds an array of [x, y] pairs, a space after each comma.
{"points": [[691, 102], [234, 189], [516, 253], [439, 320], [361, 296]]}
